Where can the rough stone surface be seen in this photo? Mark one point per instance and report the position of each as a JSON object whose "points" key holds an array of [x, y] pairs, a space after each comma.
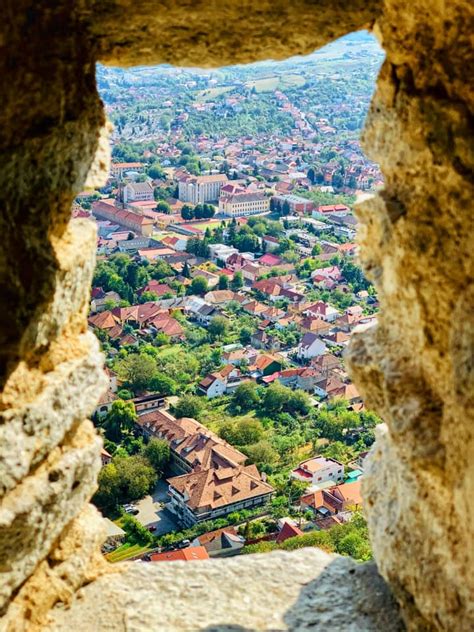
{"points": [[199, 32], [414, 368], [75, 559], [304, 590], [34, 513]]}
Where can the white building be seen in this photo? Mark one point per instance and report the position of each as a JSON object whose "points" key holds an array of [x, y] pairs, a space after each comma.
{"points": [[201, 189], [319, 470], [221, 251], [138, 192], [119, 169], [244, 204], [311, 346]]}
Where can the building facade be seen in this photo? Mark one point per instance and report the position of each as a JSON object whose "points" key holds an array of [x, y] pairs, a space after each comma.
{"points": [[244, 204], [201, 189]]}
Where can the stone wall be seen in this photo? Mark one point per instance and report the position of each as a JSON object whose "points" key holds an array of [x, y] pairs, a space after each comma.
{"points": [[415, 368]]}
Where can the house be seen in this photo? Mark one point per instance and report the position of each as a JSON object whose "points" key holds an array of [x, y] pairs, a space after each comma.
{"points": [[250, 272], [325, 364], [310, 346], [137, 223], [101, 299], [343, 497], [190, 554], [269, 260], [330, 387], [315, 325], [322, 310], [271, 243], [265, 364], [221, 543], [296, 204], [147, 403], [219, 297], [319, 470], [105, 457], [213, 385], [270, 287], [213, 493], [192, 445], [156, 287], [221, 252], [288, 530]]}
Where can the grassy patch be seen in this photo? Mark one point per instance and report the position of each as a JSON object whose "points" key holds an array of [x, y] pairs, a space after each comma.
{"points": [[126, 551], [212, 93]]}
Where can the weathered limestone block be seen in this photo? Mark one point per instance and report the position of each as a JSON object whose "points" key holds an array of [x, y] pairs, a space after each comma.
{"points": [[36, 427], [75, 560], [415, 366], [304, 590], [202, 33], [36, 511]]}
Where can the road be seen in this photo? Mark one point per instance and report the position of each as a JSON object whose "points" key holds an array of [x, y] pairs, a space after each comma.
{"points": [[151, 511]]}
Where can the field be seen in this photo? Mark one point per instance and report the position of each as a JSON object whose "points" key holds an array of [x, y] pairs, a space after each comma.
{"points": [[269, 84], [212, 93]]}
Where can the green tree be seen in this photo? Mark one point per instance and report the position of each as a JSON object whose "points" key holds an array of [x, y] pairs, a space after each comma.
{"points": [[163, 384], [223, 282], [238, 281], [275, 398], [187, 212], [261, 453], [109, 487], [138, 477], [245, 334], [137, 370], [119, 420], [136, 532], [198, 286], [189, 406], [157, 452], [218, 327], [163, 207], [246, 397]]}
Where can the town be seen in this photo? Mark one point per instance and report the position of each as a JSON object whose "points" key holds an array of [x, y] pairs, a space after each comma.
{"points": [[226, 289]]}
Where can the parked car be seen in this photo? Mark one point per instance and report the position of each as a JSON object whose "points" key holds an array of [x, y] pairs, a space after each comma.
{"points": [[131, 509], [152, 528], [183, 544]]}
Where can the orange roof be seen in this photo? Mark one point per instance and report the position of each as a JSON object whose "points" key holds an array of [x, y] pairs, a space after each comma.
{"points": [[191, 554], [288, 531]]}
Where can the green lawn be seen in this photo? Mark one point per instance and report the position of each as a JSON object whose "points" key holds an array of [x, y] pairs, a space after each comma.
{"points": [[126, 551]]}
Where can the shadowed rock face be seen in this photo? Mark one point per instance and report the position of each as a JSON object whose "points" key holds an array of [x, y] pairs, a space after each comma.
{"points": [[415, 368]]}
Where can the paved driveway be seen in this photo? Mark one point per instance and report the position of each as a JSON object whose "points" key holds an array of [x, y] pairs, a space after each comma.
{"points": [[152, 512]]}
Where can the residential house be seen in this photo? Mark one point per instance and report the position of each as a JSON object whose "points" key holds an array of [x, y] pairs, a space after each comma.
{"points": [[322, 310], [221, 543], [287, 531], [343, 497], [216, 492], [310, 346], [319, 470], [190, 554]]}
